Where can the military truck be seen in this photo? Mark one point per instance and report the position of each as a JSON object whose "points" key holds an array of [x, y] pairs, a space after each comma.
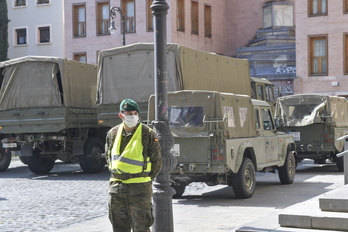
{"points": [[48, 112], [128, 72], [316, 121], [224, 138]]}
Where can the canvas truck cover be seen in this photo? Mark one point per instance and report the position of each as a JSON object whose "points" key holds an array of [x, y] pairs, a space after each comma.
{"points": [[128, 72], [39, 81], [194, 113], [302, 110]]}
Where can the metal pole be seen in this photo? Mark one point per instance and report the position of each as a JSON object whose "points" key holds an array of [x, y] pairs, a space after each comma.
{"points": [[162, 198], [123, 28]]}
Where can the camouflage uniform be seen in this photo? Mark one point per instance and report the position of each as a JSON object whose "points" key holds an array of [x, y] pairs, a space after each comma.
{"points": [[130, 205]]}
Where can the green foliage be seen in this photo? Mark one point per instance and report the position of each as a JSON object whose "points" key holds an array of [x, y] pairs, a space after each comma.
{"points": [[3, 30]]}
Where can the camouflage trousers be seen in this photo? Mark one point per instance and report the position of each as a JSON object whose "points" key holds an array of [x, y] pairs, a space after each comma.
{"points": [[130, 207]]}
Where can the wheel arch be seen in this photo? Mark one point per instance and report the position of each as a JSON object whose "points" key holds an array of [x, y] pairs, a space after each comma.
{"points": [[247, 150]]}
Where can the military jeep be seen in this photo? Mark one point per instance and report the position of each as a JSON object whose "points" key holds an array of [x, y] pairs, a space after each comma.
{"points": [[224, 138], [316, 121]]}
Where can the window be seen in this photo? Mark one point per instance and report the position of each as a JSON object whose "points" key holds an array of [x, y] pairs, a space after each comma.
{"points": [[191, 116], [317, 7], [318, 55], [128, 10], [42, 2], [21, 36], [228, 110], [82, 57], [44, 35], [103, 22], [150, 18], [79, 20], [207, 21], [180, 15], [278, 15], [257, 117], [194, 17], [345, 7], [20, 3], [267, 119]]}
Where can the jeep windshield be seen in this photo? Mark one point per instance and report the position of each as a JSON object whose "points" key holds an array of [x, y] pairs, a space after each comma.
{"points": [[300, 110]]}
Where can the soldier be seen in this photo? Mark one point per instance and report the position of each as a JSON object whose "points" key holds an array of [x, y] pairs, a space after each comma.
{"points": [[134, 159]]}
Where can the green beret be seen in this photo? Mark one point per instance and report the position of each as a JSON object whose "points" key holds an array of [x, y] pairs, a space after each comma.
{"points": [[129, 105]]}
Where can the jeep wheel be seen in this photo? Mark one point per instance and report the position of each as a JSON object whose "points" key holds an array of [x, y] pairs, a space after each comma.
{"points": [[5, 159], [38, 164], [287, 172], [340, 163], [91, 161], [179, 189], [243, 182]]}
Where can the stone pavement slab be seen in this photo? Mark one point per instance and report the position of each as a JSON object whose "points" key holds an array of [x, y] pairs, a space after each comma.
{"points": [[335, 200], [306, 215]]}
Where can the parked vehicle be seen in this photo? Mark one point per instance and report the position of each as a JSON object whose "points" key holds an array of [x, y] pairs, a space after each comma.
{"points": [[316, 121], [224, 138], [128, 72], [48, 112]]}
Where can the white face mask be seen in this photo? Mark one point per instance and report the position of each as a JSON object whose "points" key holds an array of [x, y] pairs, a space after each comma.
{"points": [[131, 120]]}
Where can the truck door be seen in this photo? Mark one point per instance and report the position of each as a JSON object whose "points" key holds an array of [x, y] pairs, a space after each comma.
{"points": [[270, 134]]}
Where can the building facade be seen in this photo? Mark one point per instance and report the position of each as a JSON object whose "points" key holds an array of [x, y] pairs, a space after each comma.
{"points": [[322, 47], [36, 27], [271, 53], [196, 24]]}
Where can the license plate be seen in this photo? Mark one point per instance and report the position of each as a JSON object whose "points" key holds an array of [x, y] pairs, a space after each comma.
{"points": [[9, 145], [296, 135]]}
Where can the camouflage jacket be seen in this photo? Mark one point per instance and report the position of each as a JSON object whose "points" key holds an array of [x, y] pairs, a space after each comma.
{"points": [[151, 147]]}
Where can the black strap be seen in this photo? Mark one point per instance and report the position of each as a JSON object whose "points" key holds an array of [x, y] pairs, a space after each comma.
{"points": [[126, 176]]}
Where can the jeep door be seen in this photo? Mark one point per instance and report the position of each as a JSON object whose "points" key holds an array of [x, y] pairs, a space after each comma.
{"points": [[267, 130]]}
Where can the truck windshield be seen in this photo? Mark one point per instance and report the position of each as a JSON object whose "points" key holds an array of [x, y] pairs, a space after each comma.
{"points": [[301, 111], [191, 116]]}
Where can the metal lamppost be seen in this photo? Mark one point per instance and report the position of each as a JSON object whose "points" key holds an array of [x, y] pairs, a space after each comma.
{"points": [[162, 198], [112, 28]]}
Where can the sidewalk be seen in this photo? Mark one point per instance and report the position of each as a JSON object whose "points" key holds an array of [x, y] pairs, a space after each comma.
{"points": [[215, 209]]}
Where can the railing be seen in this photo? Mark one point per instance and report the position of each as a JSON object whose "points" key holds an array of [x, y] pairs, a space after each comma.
{"points": [[345, 157]]}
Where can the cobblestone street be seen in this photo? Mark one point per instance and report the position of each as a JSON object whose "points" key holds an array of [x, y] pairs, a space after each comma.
{"points": [[31, 202]]}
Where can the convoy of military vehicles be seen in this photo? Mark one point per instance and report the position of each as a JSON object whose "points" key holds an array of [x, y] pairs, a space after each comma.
{"points": [[221, 118]]}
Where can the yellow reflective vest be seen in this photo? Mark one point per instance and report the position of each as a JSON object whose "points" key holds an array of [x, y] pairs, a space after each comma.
{"points": [[130, 166]]}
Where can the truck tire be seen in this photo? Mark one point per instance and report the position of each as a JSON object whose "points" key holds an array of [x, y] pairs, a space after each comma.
{"points": [[340, 164], [243, 182], [5, 159], [23, 159], [91, 161], [179, 189], [287, 171], [38, 164]]}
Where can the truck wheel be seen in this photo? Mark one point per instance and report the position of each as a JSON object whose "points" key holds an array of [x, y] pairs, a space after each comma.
{"points": [[340, 164], [243, 182], [287, 171], [5, 159], [91, 161], [23, 159], [38, 164], [179, 189]]}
